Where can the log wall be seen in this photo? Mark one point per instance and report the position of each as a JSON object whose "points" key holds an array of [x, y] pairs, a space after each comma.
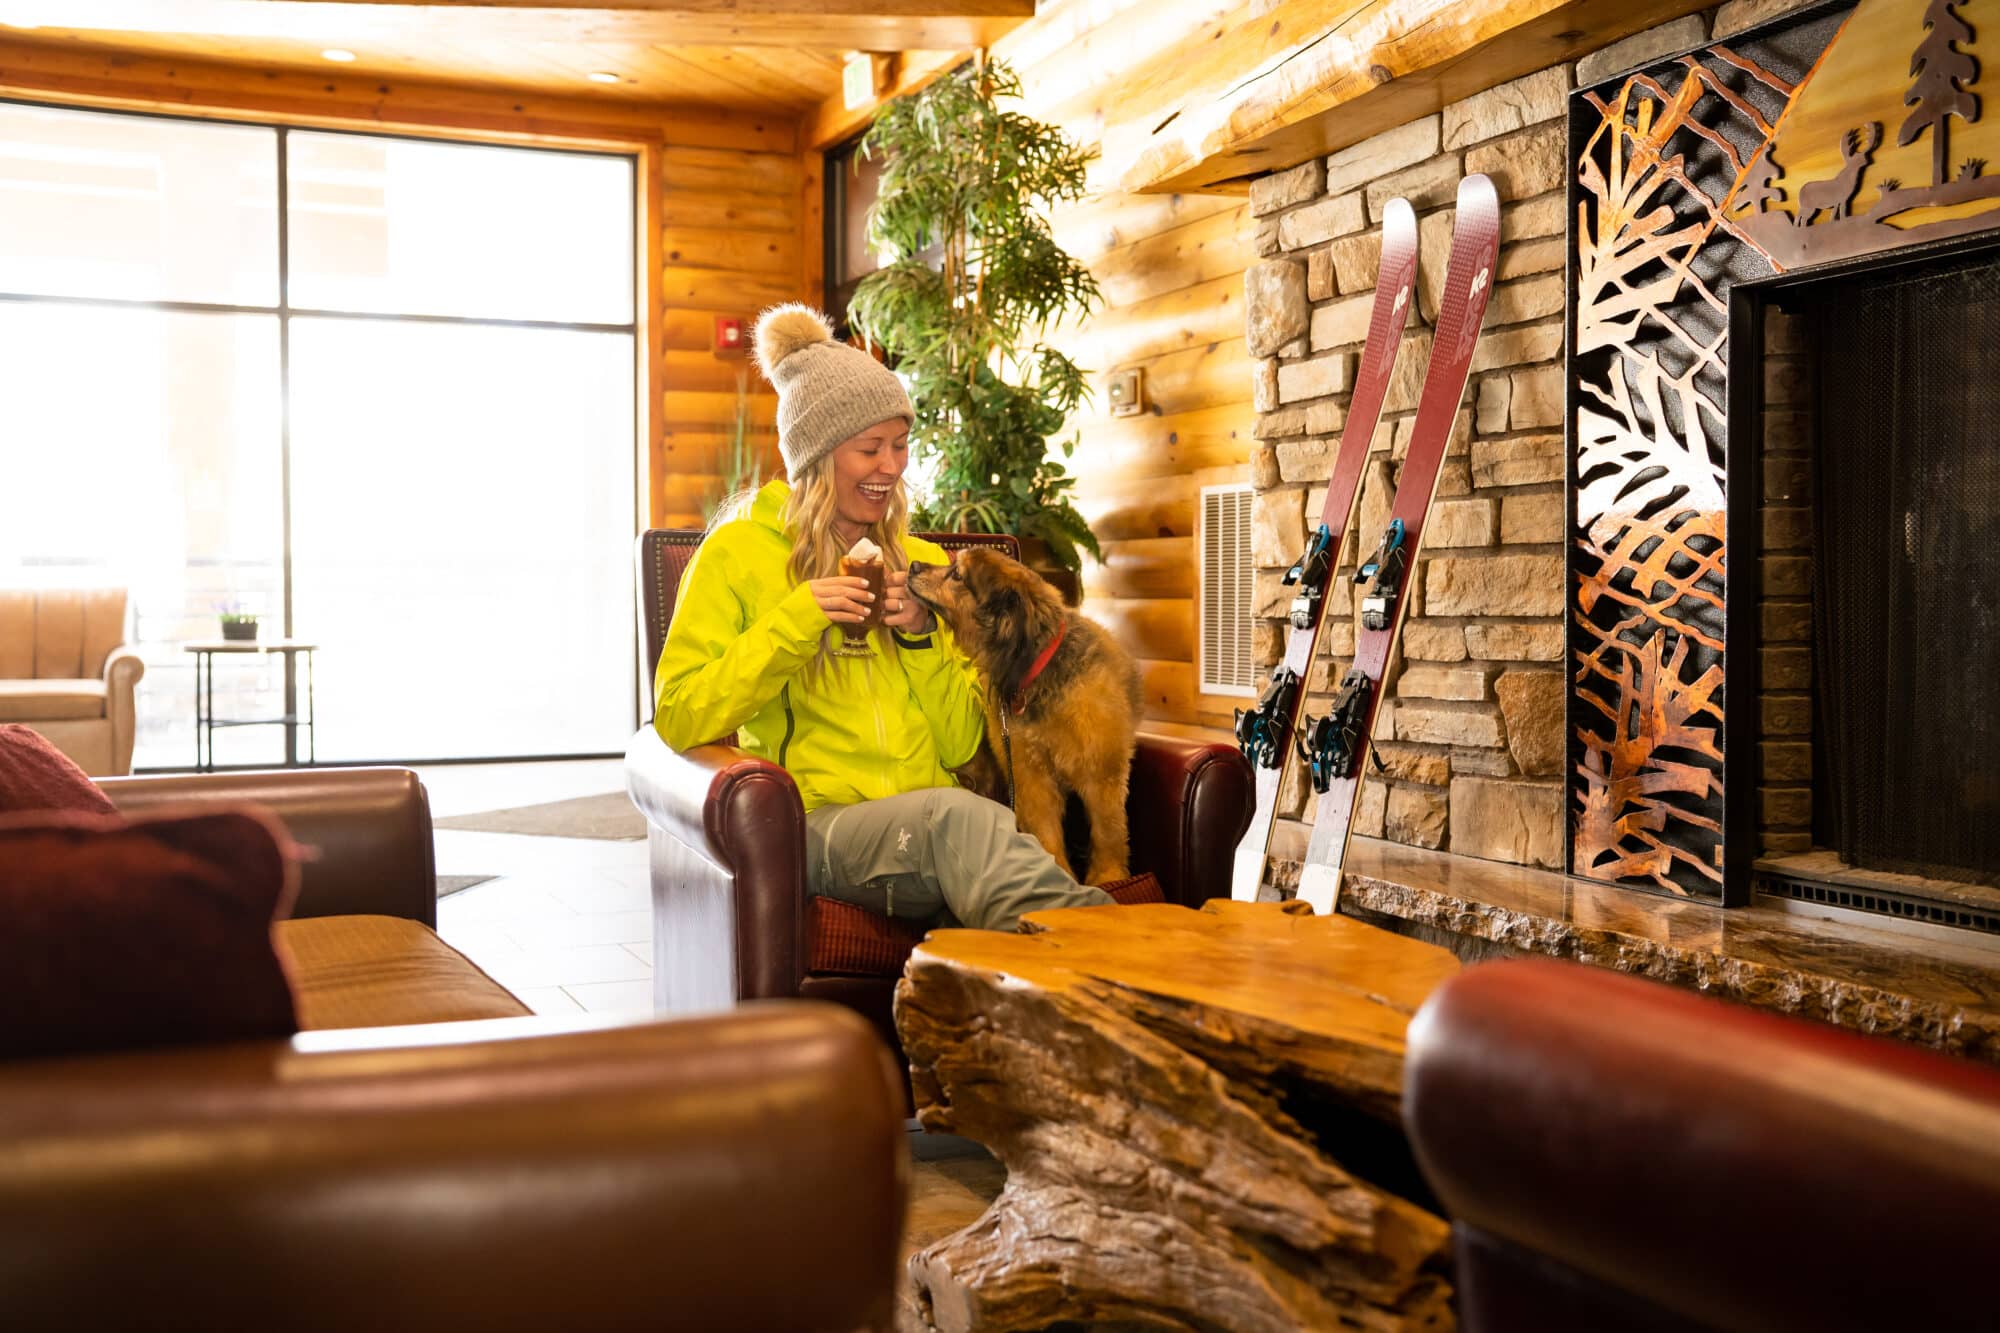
{"points": [[738, 231], [1171, 270]]}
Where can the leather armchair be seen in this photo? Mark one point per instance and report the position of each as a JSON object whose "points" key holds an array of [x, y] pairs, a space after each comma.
{"points": [[742, 1171], [66, 671], [726, 833], [1616, 1153]]}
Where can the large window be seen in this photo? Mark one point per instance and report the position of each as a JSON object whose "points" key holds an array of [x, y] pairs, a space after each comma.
{"points": [[379, 391]]}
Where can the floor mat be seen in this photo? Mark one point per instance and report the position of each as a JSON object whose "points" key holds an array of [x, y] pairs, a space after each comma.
{"points": [[610, 815], [450, 884]]}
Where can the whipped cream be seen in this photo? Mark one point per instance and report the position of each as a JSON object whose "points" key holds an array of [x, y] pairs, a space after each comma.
{"points": [[864, 551]]}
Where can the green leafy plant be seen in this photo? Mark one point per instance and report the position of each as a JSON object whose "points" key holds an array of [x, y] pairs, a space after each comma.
{"points": [[974, 281], [742, 468]]}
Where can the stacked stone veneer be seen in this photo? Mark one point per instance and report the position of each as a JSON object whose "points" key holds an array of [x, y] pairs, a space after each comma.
{"points": [[1471, 728], [1785, 614]]}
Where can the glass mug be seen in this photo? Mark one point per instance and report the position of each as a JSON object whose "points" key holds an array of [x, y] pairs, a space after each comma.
{"points": [[854, 638]]}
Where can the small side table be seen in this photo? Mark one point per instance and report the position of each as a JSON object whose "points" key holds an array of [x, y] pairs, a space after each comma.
{"points": [[205, 720]]}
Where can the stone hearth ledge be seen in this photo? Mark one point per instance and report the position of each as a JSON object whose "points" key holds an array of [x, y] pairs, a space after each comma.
{"points": [[1884, 982]]}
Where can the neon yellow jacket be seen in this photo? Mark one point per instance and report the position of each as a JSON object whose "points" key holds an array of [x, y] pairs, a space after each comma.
{"points": [[742, 630]]}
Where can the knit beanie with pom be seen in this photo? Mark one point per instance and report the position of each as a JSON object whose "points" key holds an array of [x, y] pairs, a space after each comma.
{"points": [[828, 392]]}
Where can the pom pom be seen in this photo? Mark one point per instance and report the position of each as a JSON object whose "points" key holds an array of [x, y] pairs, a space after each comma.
{"points": [[785, 329]]}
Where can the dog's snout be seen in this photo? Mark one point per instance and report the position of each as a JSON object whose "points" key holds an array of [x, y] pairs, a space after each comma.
{"points": [[917, 567]]}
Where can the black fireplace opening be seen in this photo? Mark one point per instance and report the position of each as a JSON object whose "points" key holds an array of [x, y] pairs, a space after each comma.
{"points": [[1873, 616], [1906, 567]]}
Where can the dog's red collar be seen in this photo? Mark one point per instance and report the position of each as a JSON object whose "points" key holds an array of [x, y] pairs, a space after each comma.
{"points": [[1019, 703]]}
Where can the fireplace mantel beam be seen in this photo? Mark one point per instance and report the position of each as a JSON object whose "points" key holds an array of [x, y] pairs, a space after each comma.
{"points": [[1349, 69]]}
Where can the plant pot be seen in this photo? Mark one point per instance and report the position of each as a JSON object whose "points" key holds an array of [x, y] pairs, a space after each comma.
{"points": [[239, 630], [1035, 554]]}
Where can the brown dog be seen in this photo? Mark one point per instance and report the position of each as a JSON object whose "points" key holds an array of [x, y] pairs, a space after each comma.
{"points": [[1071, 724]]}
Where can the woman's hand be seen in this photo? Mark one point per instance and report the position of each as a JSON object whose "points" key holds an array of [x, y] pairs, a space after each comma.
{"points": [[845, 598], [902, 611]]}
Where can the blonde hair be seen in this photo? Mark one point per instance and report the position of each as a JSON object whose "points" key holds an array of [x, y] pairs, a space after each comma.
{"points": [[810, 512]]}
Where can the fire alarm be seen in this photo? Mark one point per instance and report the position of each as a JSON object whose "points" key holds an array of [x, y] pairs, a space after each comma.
{"points": [[728, 336], [1126, 389]]}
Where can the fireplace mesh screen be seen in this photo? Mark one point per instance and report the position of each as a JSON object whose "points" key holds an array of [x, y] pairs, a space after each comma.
{"points": [[1906, 595]]}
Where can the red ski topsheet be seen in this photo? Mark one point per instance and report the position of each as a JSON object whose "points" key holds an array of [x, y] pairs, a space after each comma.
{"points": [[1395, 285], [1475, 248]]}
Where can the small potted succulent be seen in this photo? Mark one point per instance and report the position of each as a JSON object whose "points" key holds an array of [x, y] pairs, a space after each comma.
{"points": [[238, 624]]}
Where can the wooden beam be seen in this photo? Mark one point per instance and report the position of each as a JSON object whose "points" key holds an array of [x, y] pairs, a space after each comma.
{"points": [[203, 88], [652, 325], [1376, 65], [874, 25], [812, 227], [834, 122]]}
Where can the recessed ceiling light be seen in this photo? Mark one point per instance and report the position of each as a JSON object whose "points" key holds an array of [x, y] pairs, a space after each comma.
{"points": [[603, 76], [335, 53]]}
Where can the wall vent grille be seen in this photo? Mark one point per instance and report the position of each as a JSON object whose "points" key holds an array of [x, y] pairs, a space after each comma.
{"points": [[1228, 591]]}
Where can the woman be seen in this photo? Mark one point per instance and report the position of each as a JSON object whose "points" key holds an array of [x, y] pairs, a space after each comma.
{"points": [[870, 740]]}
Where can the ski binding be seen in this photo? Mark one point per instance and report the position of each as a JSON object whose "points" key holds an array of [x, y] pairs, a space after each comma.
{"points": [[1310, 574], [1259, 729], [1383, 572], [1328, 744]]}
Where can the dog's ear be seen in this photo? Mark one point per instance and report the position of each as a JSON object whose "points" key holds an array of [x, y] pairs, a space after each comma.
{"points": [[1006, 622], [975, 566]]}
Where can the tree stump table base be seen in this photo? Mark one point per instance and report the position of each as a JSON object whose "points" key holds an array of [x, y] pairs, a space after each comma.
{"points": [[1183, 1101]]}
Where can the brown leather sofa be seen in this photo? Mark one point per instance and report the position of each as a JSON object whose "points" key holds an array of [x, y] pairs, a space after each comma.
{"points": [[743, 1171], [1619, 1154], [65, 671], [727, 837]]}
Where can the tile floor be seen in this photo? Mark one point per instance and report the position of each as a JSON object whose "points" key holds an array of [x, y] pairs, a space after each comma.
{"points": [[567, 922]]}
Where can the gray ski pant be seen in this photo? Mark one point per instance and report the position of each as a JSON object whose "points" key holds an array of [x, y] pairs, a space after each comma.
{"points": [[938, 855]]}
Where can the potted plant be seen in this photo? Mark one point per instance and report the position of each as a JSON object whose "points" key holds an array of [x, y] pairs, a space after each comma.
{"points": [[742, 468], [238, 624], [974, 280]]}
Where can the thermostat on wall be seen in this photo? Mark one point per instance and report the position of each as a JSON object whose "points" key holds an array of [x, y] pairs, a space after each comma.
{"points": [[1126, 389]]}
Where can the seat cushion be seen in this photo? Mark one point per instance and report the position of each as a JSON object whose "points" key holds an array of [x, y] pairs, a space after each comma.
{"points": [[841, 937], [374, 971], [51, 700], [35, 775], [854, 941], [1141, 888], [152, 932]]}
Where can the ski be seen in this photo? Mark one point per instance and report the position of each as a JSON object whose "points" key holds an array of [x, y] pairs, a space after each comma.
{"points": [[1265, 732], [1337, 745]]}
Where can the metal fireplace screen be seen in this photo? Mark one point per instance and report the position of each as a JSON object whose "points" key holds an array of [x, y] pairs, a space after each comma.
{"points": [[1835, 132], [1661, 207], [1906, 586]]}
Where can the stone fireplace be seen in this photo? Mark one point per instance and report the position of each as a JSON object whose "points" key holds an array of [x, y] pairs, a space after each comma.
{"points": [[1578, 630], [1616, 658]]}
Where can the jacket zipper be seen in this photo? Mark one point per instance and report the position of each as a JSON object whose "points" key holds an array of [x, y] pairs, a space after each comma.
{"points": [[881, 732], [786, 744]]}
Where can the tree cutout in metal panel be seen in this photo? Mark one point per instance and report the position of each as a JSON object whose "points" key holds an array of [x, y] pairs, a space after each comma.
{"points": [[1940, 72]]}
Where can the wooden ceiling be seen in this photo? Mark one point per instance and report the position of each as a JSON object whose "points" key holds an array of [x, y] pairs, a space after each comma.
{"points": [[752, 54]]}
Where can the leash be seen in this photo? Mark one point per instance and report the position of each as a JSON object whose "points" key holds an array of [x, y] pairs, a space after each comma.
{"points": [[1007, 743], [1017, 705]]}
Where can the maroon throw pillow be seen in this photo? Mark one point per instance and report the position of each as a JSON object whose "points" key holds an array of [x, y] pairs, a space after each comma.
{"points": [[35, 775], [142, 933]]}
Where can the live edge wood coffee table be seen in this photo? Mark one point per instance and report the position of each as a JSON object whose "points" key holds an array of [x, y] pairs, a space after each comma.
{"points": [[1186, 1103]]}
